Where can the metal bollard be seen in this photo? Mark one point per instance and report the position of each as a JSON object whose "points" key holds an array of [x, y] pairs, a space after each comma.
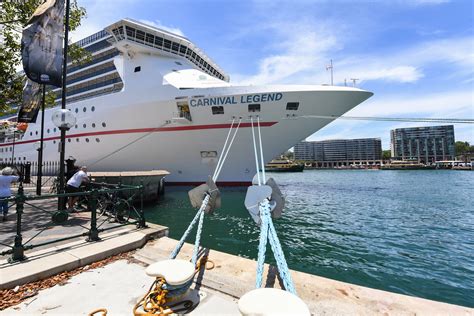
{"points": [[18, 249], [93, 232]]}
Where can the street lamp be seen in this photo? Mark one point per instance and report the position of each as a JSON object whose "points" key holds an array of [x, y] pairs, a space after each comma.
{"points": [[64, 120]]}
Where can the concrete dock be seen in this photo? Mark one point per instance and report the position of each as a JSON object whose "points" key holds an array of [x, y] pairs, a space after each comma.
{"points": [[119, 285]]}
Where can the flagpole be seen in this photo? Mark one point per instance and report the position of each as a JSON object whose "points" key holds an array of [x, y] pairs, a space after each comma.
{"points": [[62, 145], [39, 175]]}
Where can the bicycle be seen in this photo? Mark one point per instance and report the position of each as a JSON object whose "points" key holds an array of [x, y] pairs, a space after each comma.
{"points": [[115, 207]]}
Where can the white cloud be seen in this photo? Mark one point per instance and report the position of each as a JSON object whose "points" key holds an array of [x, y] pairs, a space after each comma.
{"points": [[441, 104], [300, 52], [158, 24]]}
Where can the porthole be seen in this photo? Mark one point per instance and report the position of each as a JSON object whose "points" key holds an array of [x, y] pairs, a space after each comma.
{"points": [[48, 130], [93, 125], [292, 106], [76, 110], [84, 125], [87, 140], [137, 69], [69, 140], [54, 142], [254, 107], [93, 108], [54, 130], [217, 110], [36, 132], [84, 109], [77, 140], [103, 124], [31, 133], [97, 140]]}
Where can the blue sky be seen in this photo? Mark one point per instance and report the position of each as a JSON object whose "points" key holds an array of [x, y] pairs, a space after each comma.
{"points": [[416, 56]]}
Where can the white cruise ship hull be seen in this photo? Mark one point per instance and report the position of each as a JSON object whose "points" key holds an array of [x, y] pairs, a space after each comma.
{"points": [[146, 136]]}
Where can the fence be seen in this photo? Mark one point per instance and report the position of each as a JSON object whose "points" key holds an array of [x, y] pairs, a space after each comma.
{"points": [[100, 199], [28, 172]]}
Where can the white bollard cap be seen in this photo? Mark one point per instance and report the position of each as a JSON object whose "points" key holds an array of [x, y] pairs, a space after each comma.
{"points": [[174, 271], [269, 301]]}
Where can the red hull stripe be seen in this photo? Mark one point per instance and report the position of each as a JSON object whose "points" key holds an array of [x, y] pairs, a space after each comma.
{"points": [[219, 183], [141, 130]]}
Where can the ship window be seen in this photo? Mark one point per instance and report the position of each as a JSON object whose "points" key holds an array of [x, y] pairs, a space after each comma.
{"points": [[175, 47], [69, 140], [130, 31], [84, 125], [158, 41], [77, 139], [77, 110], [93, 125], [103, 124], [217, 110], [87, 140], [140, 35], [292, 106], [182, 49], [254, 107], [84, 109], [36, 132], [54, 142], [75, 126], [149, 38], [48, 130], [93, 108], [54, 129], [178, 63], [97, 140], [138, 68], [167, 44], [31, 133]]}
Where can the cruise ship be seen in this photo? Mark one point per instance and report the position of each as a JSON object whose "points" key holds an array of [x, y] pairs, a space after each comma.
{"points": [[150, 99]]}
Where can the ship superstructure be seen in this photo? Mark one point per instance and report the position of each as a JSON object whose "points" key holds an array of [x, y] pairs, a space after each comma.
{"points": [[151, 99]]}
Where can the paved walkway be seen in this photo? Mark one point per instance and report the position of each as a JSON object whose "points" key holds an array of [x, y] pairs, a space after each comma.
{"points": [[37, 225]]}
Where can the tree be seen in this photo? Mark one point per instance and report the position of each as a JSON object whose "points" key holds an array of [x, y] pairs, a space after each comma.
{"points": [[14, 15], [462, 147], [386, 154]]}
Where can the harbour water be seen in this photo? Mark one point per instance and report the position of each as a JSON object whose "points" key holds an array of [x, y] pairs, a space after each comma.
{"points": [[410, 232]]}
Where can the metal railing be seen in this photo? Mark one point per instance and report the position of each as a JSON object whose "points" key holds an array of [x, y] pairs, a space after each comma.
{"points": [[95, 192]]}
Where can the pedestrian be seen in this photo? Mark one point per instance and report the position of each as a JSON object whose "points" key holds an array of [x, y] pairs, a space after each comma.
{"points": [[73, 185], [6, 178]]}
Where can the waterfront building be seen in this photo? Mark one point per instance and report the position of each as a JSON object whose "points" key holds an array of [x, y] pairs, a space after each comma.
{"points": [[340, 152], [426, 144]]}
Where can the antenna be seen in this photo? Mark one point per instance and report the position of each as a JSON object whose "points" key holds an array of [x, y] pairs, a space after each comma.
{"points": [[354, 81], [332, 75]]}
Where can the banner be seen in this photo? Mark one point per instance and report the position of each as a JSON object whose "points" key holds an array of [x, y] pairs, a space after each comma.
{"points": [[31, 102], [42, 43]]}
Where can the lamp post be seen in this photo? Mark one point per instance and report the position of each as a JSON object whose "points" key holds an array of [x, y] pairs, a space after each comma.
{"points": [[64, 120], [39, 147]]}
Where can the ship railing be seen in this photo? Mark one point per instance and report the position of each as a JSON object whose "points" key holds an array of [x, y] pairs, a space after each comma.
{"points": [[37, 214]]}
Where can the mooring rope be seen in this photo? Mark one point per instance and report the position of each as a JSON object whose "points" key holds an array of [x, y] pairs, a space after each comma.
{"points": [[200, 213], [267, 229]]}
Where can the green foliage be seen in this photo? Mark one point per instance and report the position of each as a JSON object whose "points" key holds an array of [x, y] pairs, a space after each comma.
{"points": [[386, 154], [463, 148], [13, 16]]}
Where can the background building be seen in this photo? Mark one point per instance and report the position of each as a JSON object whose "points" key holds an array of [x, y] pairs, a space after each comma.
{"points": [[340, 152], [424, 144]]}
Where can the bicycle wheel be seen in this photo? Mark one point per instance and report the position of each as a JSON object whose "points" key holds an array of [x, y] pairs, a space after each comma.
{"points": [[122, 210], [104, 206]]}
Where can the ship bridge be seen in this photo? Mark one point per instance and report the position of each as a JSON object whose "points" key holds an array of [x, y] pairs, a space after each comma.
{"points": [[144, 37]]}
